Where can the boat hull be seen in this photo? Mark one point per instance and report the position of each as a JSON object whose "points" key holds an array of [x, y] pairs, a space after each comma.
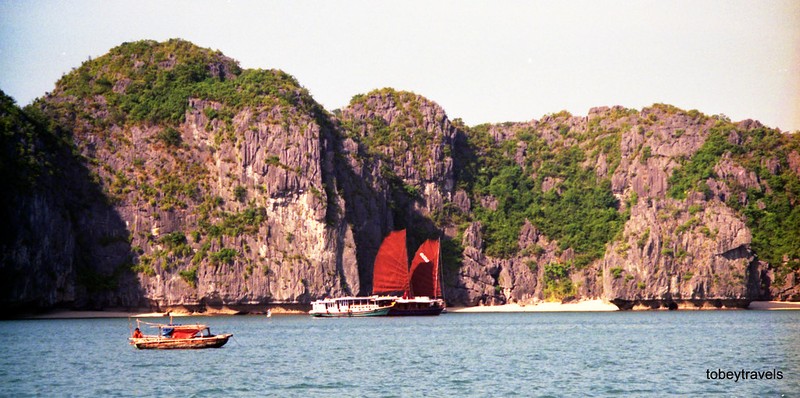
{"points": [[348, 314], [155, 343], [399, 311], [421, 307]]}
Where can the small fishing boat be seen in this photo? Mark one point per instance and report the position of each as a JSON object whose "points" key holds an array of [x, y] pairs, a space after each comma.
{"points": [[352, 306], [176, 336]]}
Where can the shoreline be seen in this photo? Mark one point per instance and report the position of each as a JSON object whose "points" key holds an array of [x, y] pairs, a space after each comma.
{"points": [[603, 306], [580, 306], [80, 314]]}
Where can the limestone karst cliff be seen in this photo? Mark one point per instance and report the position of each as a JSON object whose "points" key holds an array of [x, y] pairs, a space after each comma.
{"points": [[170, 177]]}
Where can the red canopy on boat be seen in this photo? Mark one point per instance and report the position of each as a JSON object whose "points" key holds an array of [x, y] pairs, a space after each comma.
{"points": [[186, 331]]}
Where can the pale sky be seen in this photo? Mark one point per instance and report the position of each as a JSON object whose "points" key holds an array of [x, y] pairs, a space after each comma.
{"points": [[482, 61]]}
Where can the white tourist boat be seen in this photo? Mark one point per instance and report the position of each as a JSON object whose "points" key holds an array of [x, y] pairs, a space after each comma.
{"points": [[352, 306]]}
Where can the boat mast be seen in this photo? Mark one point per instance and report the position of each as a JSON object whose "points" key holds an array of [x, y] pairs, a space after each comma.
{"points": [[439, 273]]}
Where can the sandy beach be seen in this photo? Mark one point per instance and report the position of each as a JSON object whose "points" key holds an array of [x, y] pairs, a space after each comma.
{"points": [[67, 314], [82, 315], [174, 312], [580, 306], [774, 305]]}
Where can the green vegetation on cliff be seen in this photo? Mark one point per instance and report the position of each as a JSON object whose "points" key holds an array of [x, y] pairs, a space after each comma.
{"points": [[552, 189], [557, 285], [28, 142], [772, 212], [405, 133], [151, 82]]}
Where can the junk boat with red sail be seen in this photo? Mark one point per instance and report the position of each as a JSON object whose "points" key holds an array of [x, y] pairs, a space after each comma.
{"points": [[398, 289], [176, 336], [419, 283]]}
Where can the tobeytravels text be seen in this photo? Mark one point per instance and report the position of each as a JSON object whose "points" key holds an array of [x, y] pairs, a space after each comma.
{"points": [[742, 374]]}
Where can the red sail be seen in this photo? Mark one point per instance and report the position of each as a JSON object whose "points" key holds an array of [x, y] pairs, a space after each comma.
{"points": [[425, 270], [391, 265]]}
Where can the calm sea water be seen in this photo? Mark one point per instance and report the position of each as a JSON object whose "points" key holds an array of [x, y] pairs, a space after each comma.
{"points": [[533, 354]]}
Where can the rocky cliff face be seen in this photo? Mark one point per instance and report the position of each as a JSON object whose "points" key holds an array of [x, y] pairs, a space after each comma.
{"points": [[193, 183], [27, 207], [689, 252], [226, 204], [52, 214]]}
